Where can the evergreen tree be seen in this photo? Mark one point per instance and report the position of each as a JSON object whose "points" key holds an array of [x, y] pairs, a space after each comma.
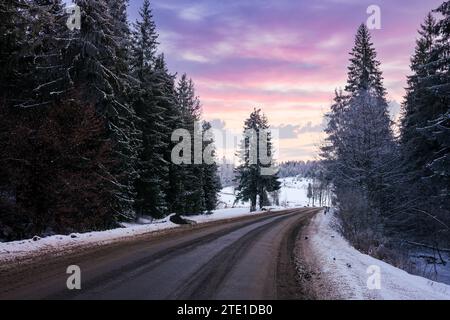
{"points": [[149, 102], [145, 42], [55, 163], [15, 53], [100, 70], [190, 108], [211, 180], [334, 145], [364, 70], [439, 75], [48, 39], [420, 106], [419, 101], [309, 193], [254, 182], [359, 152], [437, 81], [174, 187]]}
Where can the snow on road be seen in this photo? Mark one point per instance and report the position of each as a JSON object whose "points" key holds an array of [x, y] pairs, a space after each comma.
{"points": [[346, 269]]}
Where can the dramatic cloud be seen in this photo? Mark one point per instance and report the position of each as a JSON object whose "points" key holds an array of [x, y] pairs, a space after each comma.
{"points": [[284, 56]]}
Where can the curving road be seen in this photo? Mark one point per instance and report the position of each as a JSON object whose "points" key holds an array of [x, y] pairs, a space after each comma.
{"points": [[243, 259]]}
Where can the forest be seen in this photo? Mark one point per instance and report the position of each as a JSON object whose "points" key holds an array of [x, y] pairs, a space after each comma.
{"points": [[86, 122]]}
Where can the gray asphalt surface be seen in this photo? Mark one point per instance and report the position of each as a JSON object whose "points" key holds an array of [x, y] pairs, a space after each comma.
{"points": [[244, 259]]}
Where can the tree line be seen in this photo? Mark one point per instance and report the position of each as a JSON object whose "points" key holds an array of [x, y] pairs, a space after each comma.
{"points": [[389, 189], [86, 118]]}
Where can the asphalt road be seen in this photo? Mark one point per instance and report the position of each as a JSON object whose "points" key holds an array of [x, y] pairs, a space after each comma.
{"points": [[243, 259]]}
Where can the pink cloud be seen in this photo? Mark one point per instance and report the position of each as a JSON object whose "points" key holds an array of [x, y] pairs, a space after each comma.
{"points": [[283, 55]]}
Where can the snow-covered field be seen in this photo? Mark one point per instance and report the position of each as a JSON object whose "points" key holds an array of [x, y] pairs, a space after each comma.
{"points": [[293, 193], [348, 271]]}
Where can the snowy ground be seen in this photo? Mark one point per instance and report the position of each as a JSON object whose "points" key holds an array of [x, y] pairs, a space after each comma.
{"points": [[227, 197], [346, 269], [292, 194], [21, 249]]}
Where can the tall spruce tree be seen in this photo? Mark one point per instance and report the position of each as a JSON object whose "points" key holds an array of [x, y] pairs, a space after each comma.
{"points": [[16, 58], [359, 153], [440, 77], [425, 128], [211, 180], [419, 100], [49, 37], [145, 42], [419, 107], [364, 70], [150, 104], [100, 70], [174, 188], [254, 182], [437, 80], [190, 108]]}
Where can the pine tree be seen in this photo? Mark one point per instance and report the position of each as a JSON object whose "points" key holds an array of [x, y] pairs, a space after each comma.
{"points": [[15, 52], [359, 152], [419, 101], [419, 106], [333, 145], [100, 70], [145, 42], [49, 37], [440, 126], [55, 163], [437, 81], [364, 70], [149, 102], [174, 186], [309, 193], [190, 108], [211, 180], [254, 182]]}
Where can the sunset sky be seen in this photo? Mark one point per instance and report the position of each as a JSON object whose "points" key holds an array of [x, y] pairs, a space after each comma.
{"points": [[285, 57]]}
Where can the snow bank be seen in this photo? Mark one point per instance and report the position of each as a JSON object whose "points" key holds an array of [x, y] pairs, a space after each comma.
{"points": [[220, 214], [18, 249], [347, 269], [10, 251]]}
